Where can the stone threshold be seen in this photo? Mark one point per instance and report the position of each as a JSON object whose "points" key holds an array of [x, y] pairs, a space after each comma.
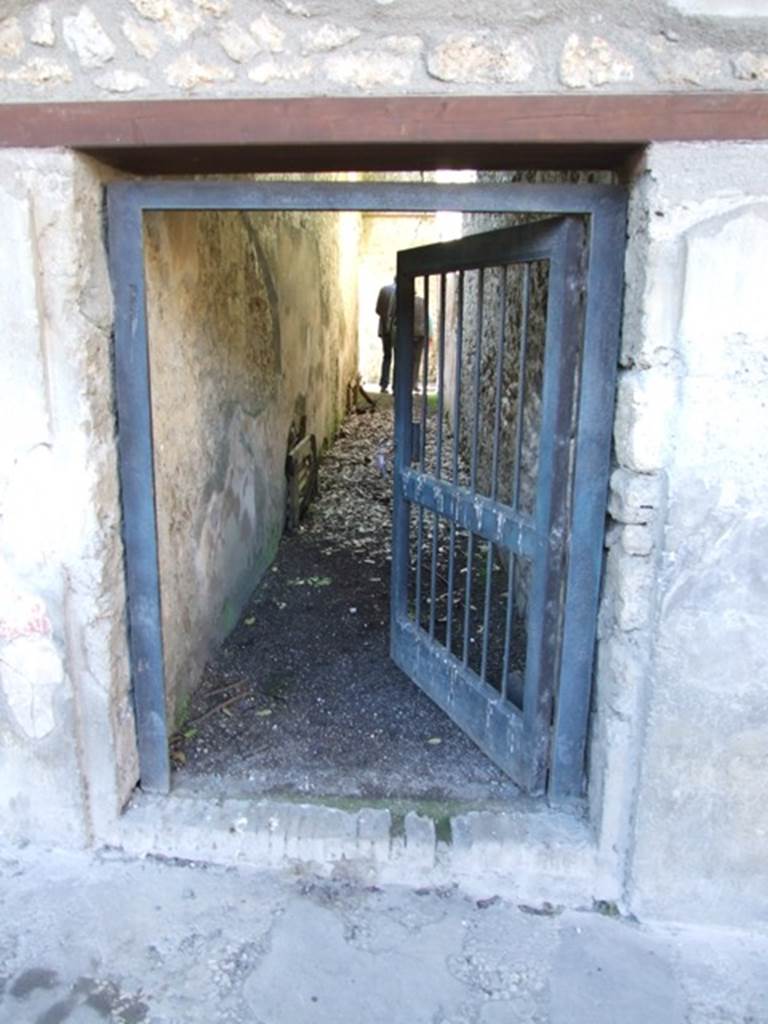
{"points": [[532, 854]]}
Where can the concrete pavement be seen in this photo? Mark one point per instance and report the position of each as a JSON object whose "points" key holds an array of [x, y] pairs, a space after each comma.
{"points": [[101, 937]]}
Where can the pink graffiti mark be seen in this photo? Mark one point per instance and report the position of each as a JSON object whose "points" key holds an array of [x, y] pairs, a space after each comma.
{"points": [[36, 623]]}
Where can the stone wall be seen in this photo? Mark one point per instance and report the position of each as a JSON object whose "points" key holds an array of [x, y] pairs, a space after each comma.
{"points": [[163, 48], [253, 326], [680, 737], [67, 746]]}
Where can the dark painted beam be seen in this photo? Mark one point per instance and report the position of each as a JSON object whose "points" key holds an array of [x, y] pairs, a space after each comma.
{"points": [[381, 133]]}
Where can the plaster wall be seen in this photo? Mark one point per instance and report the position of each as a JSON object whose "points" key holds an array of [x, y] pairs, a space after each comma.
{"points": [[67, 746], [383, 236], [680, 737], [143, 49], [252, 326]]}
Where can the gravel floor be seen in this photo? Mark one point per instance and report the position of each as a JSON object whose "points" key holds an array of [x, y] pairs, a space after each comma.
{"points": [[302, 698]]}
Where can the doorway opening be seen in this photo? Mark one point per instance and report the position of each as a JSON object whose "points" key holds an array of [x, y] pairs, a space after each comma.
{"points": [[264, 662]]}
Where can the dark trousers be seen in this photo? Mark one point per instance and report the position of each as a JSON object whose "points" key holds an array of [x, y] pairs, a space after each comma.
{"points": [[418, 352], [386, 362]]}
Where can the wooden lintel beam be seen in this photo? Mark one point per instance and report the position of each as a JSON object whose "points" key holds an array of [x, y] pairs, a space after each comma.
{"points": [[623, 120]]}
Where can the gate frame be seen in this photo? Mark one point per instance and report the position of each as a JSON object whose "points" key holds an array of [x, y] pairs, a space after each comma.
{"points": [[605, 206]]}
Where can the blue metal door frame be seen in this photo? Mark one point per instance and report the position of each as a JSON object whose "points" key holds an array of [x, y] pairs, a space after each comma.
{"points": [[604, 208]]}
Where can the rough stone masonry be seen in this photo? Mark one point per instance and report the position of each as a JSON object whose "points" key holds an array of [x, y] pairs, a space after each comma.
{"points": [[163, 48]]}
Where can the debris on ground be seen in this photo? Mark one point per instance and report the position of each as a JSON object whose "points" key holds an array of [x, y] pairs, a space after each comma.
{"points": [[303, 697]]}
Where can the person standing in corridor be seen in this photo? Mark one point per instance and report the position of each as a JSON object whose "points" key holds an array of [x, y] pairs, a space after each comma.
{"points": [[385, 310]]}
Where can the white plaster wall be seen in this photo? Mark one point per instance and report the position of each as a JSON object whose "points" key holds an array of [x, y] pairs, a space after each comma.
{"points": [[67, 749], [680, 744]]}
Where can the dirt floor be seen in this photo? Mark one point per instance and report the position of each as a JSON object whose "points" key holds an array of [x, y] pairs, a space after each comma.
{"points": [[303, 698]]}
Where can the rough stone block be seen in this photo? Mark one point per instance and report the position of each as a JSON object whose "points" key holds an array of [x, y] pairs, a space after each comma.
{"points": [[39, 71], [283, 71], [369, 69], [120, 81], [85, 36], [373, 833], [680, 67], [637, 539], [41, 30], [587, 64], [751, 67], [238, 44], [328, 37], [154, 10], [11, 38], [188, 72], [644, 415], [629, 587], [634, 497], [419, 839], [267, 34], [141, 37], [480, 58]]}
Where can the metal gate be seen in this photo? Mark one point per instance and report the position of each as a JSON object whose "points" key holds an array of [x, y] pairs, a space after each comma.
{"points": [[485, 460]]}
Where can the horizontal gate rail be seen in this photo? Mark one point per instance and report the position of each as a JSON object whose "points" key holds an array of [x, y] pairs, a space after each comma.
{"points": [[482, 516]]}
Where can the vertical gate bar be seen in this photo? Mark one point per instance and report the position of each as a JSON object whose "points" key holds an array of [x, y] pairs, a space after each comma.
{"points": [[589, 500], [441, 379], [494, 464], [422, 443], [455, 454], [477, 381], [403, 453], [515, 499], [137, 485], [474, 456], [524, 313], [511, 578], [438, 446], [562, 348]]}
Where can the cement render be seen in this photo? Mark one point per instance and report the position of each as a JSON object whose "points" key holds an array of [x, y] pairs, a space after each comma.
{"points": [[689, 619], [103, 937], [678, 735]]}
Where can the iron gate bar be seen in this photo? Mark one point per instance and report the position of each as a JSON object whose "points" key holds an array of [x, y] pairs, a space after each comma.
{"points": [[515, 498], [495, 464], [438, 449], [473, 459], [455, 458], [524, 324], [605, 205], [422, 464]]}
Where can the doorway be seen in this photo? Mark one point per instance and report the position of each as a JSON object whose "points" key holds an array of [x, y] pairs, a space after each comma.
{"points": [[562, 711]]}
